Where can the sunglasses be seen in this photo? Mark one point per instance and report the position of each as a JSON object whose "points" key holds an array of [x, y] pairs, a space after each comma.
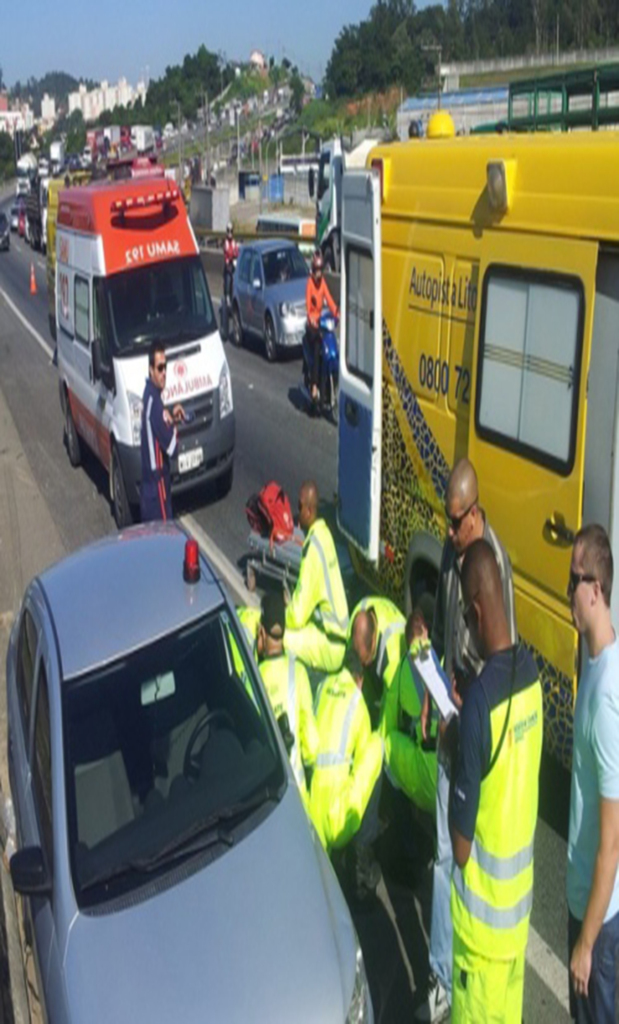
{"points": [[161, 367], [576, 578], [456, 521]]}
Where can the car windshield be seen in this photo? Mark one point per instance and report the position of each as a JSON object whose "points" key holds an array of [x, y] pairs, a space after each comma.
{"points": [[169, 302], [285, 264], [168, 751]]}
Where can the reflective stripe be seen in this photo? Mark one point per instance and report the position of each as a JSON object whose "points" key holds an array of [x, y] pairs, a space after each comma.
{"points": [[330, 619], [318, 695], [502, 868], [330, 758], [149, 435], [292, 703], [505, 917], [393, 627]]}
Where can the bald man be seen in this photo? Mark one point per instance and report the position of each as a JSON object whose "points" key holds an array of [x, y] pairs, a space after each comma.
{"points": [[452, 641], [493, 805], [377, 634], [317, 616]]}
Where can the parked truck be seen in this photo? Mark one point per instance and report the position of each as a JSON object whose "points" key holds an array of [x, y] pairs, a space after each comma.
{"points": [[26, 168], [143, 138], [56, 155], [334, 160], [36, 212]]}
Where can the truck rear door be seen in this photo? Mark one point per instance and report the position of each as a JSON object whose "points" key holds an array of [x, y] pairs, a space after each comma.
{"points": [[361, 353]]}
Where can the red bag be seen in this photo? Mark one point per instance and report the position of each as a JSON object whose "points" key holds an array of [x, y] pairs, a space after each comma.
{"points": [[269, 513]]}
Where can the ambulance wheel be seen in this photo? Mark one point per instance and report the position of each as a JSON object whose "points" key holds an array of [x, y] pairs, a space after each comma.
{"points": [[74, 445], [121, 508], [270, 342]]}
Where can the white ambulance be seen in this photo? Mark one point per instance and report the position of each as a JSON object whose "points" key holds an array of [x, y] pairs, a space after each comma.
{"points": [[128, 272]]}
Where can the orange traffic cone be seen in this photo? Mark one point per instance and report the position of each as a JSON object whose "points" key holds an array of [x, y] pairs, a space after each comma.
{"points": [[33, 280]]}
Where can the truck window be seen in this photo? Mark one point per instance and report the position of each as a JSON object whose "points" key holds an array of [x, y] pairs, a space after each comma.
{"points": [[529, 364], [82, 309], [360, 314]]}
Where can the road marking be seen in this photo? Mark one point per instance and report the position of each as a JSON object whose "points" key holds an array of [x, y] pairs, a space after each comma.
{"points": [[230, 574], [549, 969], [41, 264], [40, 340]]}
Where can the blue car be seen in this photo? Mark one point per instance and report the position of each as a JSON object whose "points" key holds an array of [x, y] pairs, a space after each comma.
{"points": [[168, 868], [269, 295]]}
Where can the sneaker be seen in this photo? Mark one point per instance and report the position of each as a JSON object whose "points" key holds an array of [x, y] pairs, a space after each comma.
{"points": [[434, 1006]]}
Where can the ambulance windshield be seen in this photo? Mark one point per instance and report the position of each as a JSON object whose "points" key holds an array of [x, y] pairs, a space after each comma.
{"points": [[169, 301]]}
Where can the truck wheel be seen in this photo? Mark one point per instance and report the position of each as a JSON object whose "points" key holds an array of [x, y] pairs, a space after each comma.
{"points": [[270, 341], [123, 513], [74, 445], [237, 328]]}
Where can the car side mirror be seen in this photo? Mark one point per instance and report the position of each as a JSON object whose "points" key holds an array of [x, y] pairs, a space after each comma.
{"points": [[312, 182], [287, 735], [29, 872], [256, 284]]}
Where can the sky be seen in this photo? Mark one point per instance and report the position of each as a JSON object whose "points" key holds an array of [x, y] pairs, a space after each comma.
{"points": [[107, 39]]}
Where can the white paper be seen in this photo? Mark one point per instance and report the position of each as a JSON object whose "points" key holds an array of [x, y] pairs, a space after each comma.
{"points": [[436, 682]]}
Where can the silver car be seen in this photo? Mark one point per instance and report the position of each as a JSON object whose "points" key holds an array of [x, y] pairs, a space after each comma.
{"points": [[269, 295], [168, 868]]}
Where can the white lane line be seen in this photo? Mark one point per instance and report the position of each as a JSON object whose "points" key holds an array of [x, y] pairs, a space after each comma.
{"points": [[41, 264], [549, 969], [40, 340], [221, 564]]}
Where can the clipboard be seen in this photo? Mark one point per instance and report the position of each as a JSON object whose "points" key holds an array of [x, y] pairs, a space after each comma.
{"points": [[436, 682]]}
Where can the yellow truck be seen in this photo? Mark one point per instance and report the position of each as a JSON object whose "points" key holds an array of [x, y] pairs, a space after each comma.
{"points": [[480, 313]]}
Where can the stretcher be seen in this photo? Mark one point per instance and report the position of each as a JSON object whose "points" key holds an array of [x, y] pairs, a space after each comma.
{"points": [[276, 561]]}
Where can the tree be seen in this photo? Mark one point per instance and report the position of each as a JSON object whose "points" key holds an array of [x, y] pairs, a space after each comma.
{"points": [[7, 156], [297, 90]]}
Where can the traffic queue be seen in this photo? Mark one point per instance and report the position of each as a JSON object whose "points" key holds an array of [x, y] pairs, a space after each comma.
{"points": [[470, 757]]}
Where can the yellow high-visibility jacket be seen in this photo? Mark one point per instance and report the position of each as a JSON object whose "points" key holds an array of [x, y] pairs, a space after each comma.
{"points": [[319, 595], [289, 692]]}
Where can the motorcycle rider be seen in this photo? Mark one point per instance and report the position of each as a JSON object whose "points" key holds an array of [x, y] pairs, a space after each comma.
{"points": [[316, 294], [231, 254]]}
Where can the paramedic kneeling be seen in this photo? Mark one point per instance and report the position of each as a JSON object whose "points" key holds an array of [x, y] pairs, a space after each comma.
{"points": [[158, 441], [493, 807]]}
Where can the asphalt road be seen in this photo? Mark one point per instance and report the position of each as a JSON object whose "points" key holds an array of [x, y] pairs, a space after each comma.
{"points": [[275, 440]]}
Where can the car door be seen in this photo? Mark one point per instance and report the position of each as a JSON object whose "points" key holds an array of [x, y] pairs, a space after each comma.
{"points": [[256, 304], [241, 284], [103, 373]]}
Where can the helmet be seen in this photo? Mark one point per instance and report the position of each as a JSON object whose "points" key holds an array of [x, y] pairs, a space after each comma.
{"points": [[441, 126], [316, 262], [229, 228]]}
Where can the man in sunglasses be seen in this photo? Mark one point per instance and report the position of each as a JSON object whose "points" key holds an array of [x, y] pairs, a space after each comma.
{"points": [[158, 441], [452, 641], [593, 841]]}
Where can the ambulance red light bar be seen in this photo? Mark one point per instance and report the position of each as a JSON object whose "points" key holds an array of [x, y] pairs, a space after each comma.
{"points": [[167, 195]]}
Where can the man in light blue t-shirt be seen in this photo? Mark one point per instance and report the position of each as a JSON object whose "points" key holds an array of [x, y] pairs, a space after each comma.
{"points": [[593, 845]]}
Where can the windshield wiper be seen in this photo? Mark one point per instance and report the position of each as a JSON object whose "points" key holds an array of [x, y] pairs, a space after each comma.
{"points": [[201, 835]]}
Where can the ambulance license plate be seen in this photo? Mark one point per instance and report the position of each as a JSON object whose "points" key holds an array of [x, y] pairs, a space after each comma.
{"points": [[190, 460]]}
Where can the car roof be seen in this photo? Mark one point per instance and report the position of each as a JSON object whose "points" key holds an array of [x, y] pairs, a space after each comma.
{"points": [[122, 593], [270, 244]]}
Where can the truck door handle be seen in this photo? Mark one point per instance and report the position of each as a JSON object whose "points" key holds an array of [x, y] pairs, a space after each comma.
{"points": [[555, 525], [351, 412]]}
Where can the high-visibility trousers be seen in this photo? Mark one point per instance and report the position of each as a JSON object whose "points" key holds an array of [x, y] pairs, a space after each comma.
{"points": [[314, 648], [486, 991]]}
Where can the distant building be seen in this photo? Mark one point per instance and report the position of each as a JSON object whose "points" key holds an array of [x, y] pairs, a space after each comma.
{"points": [[21, 119], [4, 100], [105, 97], [48, 108], [258, 60]]}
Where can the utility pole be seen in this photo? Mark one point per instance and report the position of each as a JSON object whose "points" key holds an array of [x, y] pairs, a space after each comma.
{"points": [[175, 103], [238, 139], [435, 48], [260, 159]]}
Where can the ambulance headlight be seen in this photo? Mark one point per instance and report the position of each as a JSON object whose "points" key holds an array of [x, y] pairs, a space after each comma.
{"points": [[135, 417], [359, 1011], [225, 391]]}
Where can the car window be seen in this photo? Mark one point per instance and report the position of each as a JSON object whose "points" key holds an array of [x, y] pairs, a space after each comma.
{"points": [[285, 264], [26, 653], [42, 767], [158, 744], [256, 268], [243, 270]]}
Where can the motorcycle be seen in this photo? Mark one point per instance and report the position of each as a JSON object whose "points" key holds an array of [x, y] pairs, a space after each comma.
{"points": [[329, 372], [225, 308]]}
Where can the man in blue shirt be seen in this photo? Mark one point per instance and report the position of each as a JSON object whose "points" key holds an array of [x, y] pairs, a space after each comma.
{"points": [[158, 442], [593, 843]]}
